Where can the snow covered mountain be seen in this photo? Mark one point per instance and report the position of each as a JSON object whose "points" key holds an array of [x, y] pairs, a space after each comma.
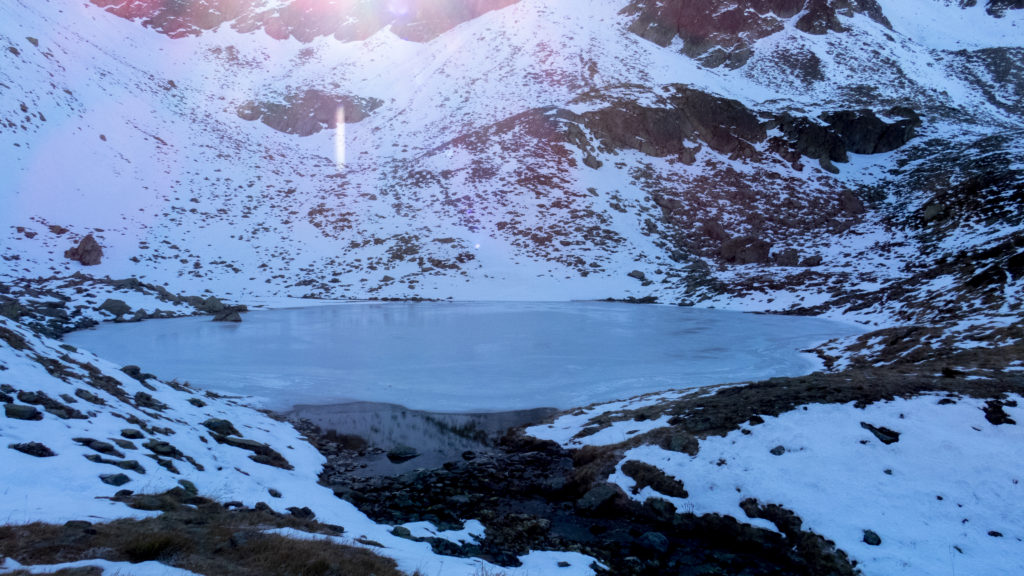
{"points": [[826, 157], [861, 159]]}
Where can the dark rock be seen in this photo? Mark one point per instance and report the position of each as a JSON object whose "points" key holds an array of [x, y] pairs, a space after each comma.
{"points": [[659, 509], [115, 479], [99, 446], [811, 261], [122, 464], [115, 307], [850, 203], [714, 230], [123, 444], [933, 211], [637, 274], [745, 250], [87, 253], [146, 400], [597, 497], [303, 513], [309, 112], [862, 132], [211, 305], [401, 453], [645, 475], [89, 397], [812, 139], [274, 492], [680, 441], [33, 449], [132, 434], [136, 372], [263, 454], [401, 532], [819, 18], [653, 541], [22, 412], [787, 257], [162, 448], [778, 450], [223, 427], [884, 435], [995, 413], [229, 314], [871, 538]]}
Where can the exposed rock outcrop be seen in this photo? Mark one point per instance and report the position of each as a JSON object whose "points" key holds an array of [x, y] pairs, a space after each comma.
{"points": [[721, 32], [309, 112], [87, 253]]}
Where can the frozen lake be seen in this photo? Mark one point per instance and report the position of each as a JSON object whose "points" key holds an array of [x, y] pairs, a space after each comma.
{"points": [[465, 357]]}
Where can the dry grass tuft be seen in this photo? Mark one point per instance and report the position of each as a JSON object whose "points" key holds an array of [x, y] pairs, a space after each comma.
{"points": [[206, 539]]}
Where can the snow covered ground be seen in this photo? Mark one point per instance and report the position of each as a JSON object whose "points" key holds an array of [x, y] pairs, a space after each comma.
{"points": [[946, 497]]}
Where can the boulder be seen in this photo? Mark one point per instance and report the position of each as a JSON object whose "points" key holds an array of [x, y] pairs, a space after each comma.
{"points": [[116, 307], [745, 250], [402, 453], [811, 261], [33, 449], [850, 203], [819, 18], [597, 497], [884, 435], [714, 230], [229, 314], [637, 274], [87, 253], [653, 542], [788, 257], [222, 427], [115, 479], [211, 305], [22, 412]]}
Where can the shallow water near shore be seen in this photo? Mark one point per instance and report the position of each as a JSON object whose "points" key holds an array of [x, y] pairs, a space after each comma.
{"points": [[365, 432], [465, 357]]}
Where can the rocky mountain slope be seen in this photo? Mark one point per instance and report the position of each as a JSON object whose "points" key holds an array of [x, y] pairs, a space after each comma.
{"points": [[781, 155], [857, 159]]}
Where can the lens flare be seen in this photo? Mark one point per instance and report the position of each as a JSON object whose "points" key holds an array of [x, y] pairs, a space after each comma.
{"points": [[339, 137]]}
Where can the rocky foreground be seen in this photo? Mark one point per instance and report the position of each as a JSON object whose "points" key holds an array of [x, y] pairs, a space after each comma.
{"points": [[597, 491]]}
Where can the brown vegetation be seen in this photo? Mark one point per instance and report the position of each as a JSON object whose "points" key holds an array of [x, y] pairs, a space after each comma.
{"points": [[207, 539]]}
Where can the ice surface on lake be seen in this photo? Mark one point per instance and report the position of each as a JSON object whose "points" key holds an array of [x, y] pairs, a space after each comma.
{"points": [[464, 357]]}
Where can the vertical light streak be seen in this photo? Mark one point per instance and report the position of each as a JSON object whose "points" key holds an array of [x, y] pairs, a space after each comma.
{"points": [[339, 137]]}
